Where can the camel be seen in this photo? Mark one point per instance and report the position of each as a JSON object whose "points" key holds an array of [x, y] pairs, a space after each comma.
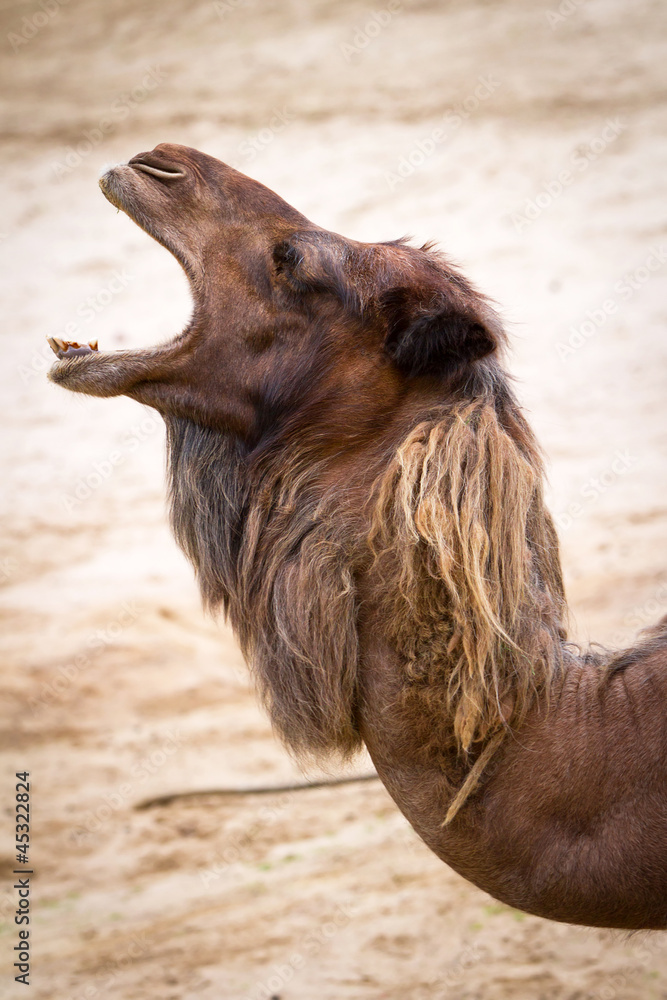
{"points": [[359, 491]]}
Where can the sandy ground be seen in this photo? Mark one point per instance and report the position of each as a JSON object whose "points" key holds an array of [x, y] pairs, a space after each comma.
{"points": [[531, 144]]}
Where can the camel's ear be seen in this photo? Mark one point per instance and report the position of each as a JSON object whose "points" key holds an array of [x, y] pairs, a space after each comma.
{"points": [[431, 333]]}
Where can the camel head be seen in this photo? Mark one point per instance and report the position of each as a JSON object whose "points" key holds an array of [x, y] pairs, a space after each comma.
{"points": [[287, 316], [348, 466]]}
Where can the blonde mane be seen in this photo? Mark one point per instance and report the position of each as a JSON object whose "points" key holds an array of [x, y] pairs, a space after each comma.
{"points": [[478, 611]]}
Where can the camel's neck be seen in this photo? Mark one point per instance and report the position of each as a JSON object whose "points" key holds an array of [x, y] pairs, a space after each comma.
{"points": [[568, 819], [454, 550], [428, 641]]}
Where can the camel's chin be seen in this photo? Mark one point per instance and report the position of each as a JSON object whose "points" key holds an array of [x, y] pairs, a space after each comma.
{"points": [[72, 369], [73, 360]]}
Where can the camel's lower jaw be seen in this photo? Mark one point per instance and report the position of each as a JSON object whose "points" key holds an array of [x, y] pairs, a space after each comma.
{"points": [[71, 370], [82, 368]]}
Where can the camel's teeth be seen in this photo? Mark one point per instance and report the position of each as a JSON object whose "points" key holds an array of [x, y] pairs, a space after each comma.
{"points": [[92, 344], [62, 346], [52, 344]]}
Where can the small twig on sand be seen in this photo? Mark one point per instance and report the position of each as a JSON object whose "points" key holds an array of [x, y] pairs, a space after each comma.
{"points": [[164, 800]]}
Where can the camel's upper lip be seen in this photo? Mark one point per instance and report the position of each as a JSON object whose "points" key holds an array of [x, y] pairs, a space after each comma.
{"points": [[147, 164], [135, 199]]}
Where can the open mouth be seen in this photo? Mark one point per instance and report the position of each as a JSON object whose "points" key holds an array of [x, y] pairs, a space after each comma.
{"points": [[162, 172], [70, 348], [123, 198]]}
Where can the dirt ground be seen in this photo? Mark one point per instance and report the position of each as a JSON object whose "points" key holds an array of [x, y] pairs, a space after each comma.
{"points": [[528, 138]]}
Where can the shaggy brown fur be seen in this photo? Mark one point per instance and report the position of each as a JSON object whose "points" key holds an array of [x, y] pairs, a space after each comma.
{"points": [[272, 552], [357, 487]]}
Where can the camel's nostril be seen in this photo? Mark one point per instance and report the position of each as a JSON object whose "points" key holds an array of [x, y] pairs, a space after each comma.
{"points": [[158, 171], [162, 172]]}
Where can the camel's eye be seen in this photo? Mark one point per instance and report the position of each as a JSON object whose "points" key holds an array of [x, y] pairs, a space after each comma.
{"points": [[285, 255], [288, 260]]}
